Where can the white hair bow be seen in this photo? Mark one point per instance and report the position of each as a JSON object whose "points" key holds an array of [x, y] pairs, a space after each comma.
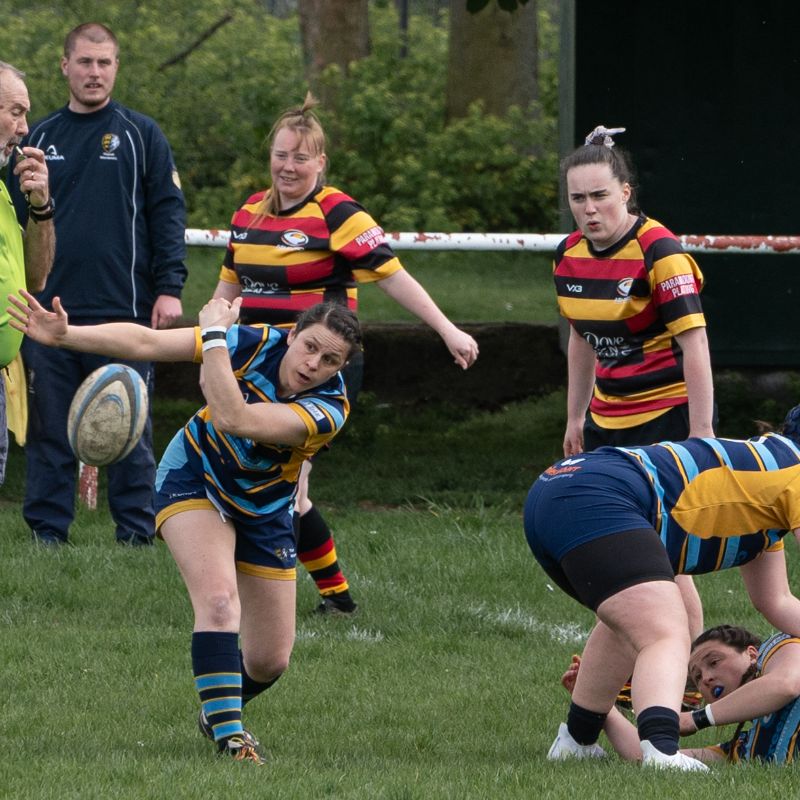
{"points": [[602, 135]]}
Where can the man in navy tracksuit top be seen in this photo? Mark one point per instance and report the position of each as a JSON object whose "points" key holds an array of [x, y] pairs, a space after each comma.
{"points": [[120, 252]]}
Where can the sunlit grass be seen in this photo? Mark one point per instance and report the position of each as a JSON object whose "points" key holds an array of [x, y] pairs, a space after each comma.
{"points": [[469, 286], [445, 685]]}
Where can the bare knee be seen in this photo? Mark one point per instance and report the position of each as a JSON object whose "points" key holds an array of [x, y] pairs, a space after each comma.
{"points": [[267, 666], [666, 631], [219, 610], [646, 614]]}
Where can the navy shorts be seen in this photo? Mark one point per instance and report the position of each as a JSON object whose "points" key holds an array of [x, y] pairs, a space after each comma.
{"points": [[265, 546], [589, 523]]}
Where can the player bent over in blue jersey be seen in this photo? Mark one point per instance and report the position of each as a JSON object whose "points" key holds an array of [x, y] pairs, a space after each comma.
{"points": [[613, 527], [741, 680], [226, 484]]}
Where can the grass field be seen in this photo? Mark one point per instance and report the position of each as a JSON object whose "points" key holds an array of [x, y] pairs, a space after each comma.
{"points": [[445, 685], [468, 286]]}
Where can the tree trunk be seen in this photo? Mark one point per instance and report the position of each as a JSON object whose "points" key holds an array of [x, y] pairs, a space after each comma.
{"points": [[402, 19], [333, 32], [492, 57]]}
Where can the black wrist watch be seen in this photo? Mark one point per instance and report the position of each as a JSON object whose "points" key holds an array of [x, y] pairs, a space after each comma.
{"points": [[42, 213]]}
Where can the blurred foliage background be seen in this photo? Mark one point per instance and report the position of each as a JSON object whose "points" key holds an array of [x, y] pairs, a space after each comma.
{"points": [[390, 144]]}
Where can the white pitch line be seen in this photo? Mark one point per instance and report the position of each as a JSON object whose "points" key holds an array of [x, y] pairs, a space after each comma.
{"points": [[360, 635], [516, 618], [352, 634]]}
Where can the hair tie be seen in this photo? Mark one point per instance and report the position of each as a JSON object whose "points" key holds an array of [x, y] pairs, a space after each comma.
{"points": [[602, 136]]}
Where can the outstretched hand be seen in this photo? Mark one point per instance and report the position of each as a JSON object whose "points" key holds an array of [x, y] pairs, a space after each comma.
{"points": [[35, 321]]}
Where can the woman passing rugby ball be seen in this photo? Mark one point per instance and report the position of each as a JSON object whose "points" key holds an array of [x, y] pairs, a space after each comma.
{"points": [[226, 484]]}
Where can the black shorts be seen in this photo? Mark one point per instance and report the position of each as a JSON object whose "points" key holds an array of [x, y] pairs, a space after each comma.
{"points": [[672, 426], [599, 569]]}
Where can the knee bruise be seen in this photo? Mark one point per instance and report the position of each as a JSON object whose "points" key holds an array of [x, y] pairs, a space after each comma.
{"points": [[222, 609]]}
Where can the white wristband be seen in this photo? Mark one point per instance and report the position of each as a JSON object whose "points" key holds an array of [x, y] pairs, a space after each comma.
{"points": [[709, 715], [212, 343]]}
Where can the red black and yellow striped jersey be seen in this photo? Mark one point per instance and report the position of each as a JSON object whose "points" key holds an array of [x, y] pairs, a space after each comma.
{"points": [[314, 252], [629, 302]]}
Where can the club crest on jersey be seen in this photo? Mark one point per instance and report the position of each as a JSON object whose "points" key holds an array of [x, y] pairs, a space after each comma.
{"points": [[109, 143], [294, 238], [624, 288], [286, 555]]}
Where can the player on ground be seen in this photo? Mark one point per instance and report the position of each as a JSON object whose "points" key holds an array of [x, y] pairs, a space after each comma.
{"points": [[226, 484], [300, 242], [673, 508], [741, 680]]}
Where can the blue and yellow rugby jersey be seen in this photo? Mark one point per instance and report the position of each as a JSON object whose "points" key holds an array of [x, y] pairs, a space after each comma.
{"points": [[629, 302], [721, 502], [774, 737], [312, 253], [248, 479]]}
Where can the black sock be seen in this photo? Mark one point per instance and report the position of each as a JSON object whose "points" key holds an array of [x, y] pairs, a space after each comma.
{"points": [[252, 688], [584, 726], [661, 727]]}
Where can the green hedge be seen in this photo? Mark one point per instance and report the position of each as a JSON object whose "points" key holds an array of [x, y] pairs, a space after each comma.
{"points": [[389, 144]]}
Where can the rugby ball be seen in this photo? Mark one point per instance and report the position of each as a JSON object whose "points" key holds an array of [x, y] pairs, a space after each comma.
{"points": [[107, 415]]}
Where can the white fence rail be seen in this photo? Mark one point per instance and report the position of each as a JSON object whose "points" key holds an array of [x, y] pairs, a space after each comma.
{"points": [[537, 242]]}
